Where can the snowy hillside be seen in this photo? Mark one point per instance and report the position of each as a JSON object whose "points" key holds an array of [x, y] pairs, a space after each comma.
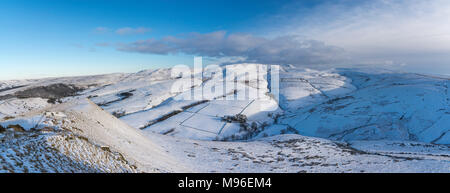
{"points": [[387, 106], [83, 134], [336, 120]]}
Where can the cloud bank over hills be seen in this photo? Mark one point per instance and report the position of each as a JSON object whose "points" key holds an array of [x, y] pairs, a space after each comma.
{"points": [[280, 50], [407, 35]]}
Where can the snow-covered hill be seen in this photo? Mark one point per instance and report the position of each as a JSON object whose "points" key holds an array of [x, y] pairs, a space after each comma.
{"points": [[83, 134], [367, 120], [385, 106]]}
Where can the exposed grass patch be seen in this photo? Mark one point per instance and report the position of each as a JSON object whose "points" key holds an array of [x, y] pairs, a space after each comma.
{"points": [[122, 96], [16, 128], [52, 92], [194, 104], [119, 113], [169, 131], [162, 118], [8, 118]]}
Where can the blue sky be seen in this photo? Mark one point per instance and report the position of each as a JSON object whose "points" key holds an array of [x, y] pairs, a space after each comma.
{"points": [[42, 38], [50, 38]]}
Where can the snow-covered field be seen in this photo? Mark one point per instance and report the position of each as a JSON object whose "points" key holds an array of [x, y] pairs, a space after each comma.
{"points": [[336, 120]]}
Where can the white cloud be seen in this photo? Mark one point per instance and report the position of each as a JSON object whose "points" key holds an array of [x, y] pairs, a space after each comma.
{"points": [[131, 31], [101, 30], [401, 31], [279, 50], [411, 34]]}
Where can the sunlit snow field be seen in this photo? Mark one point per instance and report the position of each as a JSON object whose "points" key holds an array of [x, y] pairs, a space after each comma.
{"points": [[336, 120]]}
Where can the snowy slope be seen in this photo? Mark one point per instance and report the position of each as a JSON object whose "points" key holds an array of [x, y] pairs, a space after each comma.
{"points": [[343, 104], [43, 143], [300, 87], [84, 134], [366, 120], [80, 137], [12, 106], [202, 118], [388, 106], [295, 153]]}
